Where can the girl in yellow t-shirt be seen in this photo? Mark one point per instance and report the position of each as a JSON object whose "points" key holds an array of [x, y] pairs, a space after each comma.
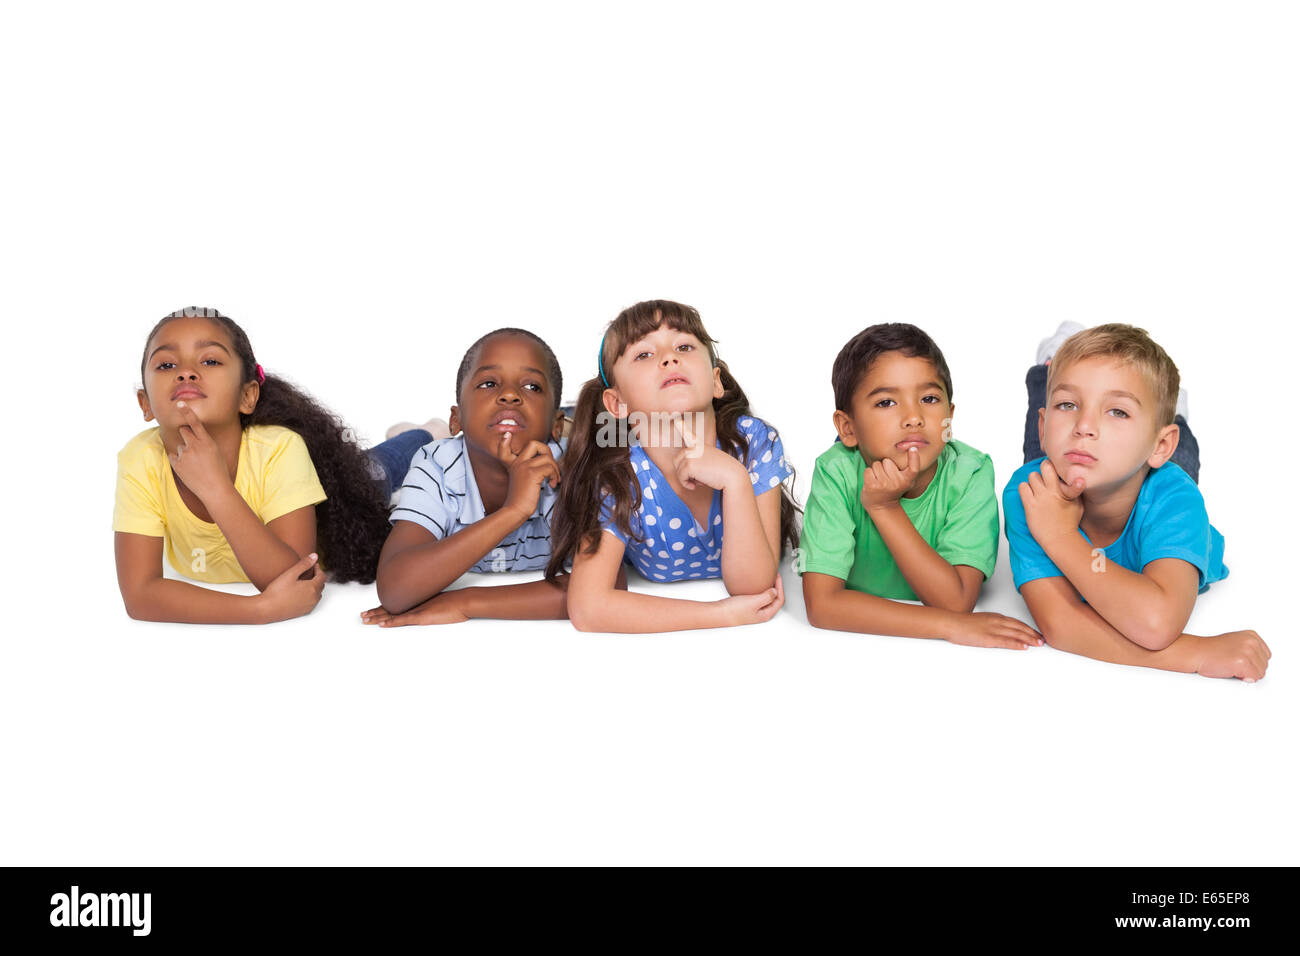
{"points": [[245, 478]]}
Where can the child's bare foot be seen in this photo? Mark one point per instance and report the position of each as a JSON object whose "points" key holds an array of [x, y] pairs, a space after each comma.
{"points": [[436, 427]]}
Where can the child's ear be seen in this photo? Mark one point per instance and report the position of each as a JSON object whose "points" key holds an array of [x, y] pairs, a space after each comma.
{"points": [[1166, 443], [718, 390], [1042, 414], [613, 403], [557, 426], [844, 427], [947, 426], [248, 398], [145, 407], [453, 420]]}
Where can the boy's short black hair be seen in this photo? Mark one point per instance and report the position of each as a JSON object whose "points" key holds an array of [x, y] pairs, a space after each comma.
{"points": [[854, 361], [552, 363]]}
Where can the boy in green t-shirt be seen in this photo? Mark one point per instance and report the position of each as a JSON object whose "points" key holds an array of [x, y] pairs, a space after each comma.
{"points": [[898, 510]]}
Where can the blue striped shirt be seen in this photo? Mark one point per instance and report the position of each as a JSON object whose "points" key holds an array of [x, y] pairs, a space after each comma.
{"points": [[440, 494]]}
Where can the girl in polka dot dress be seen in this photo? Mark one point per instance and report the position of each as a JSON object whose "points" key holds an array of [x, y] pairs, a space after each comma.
{"points": [[664, 458]]}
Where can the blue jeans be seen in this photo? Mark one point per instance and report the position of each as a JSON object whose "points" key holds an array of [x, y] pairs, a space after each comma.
{"points": [[394, 457], [1187, 455]]}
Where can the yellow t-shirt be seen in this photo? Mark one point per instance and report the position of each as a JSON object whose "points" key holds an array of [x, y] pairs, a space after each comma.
{"points": [[275, 476]]}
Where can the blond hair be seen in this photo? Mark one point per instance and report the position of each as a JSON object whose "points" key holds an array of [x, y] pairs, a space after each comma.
{"points": [[1128, 345]]}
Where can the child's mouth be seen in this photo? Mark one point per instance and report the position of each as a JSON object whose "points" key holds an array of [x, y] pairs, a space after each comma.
{"points": [[507, 425], [1080, 458]]}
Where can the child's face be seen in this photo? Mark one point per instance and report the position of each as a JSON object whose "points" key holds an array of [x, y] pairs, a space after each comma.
{"points": [[666, 371], [899, 404], [1100, 424], [507, 392], [192, 360]]}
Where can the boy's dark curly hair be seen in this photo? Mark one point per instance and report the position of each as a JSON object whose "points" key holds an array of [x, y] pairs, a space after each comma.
{"points": [[352, 522]]}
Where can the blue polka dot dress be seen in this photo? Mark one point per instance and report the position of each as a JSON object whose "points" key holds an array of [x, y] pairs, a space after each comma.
{"points": [[676, 547]]}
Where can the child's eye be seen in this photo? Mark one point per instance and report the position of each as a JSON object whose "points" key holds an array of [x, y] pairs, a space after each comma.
{"points": [[885, 403], [486, 384], [534, 386], [686, 346], [165, 366], [639, 356], [1065, 406], [1119, 413], [211, 361], [931, 399]]}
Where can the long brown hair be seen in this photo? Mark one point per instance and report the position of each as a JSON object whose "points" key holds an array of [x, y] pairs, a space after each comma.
{"points": [[352, 522], [589, 471]]}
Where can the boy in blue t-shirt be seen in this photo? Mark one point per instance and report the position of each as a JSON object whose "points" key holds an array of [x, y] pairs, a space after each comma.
{"points": [[1110, 540]]}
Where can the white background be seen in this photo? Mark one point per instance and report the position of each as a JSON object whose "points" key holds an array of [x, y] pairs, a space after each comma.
{"points": [[367, 188]]}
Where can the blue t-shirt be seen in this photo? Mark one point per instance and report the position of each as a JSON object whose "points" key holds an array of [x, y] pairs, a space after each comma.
{"points": [[1168, 521], [676, 546]]}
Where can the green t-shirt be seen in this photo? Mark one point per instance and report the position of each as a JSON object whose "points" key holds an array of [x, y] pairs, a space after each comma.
{"points": [[957, 515]]}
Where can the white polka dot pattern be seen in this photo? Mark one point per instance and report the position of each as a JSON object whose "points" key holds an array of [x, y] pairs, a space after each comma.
{"points": [[678, 535]]}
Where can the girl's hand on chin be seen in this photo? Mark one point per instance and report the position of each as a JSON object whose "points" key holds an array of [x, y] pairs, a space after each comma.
{"points": [[708, 466], [198, 461]]}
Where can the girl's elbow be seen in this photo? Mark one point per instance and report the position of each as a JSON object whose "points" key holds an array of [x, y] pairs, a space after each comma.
{"points": [[137, 605], [134, 611], [594, 609], [739, 586], [583, 613]]}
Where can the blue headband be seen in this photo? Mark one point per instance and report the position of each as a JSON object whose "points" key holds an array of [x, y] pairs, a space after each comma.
{"points": [[600, 358]]}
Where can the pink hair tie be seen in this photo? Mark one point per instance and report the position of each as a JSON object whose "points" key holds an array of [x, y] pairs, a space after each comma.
{"points": [[261, 376]]}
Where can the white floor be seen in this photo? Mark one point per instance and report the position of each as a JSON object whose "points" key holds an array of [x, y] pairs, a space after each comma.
{"points": [[984, 171]]}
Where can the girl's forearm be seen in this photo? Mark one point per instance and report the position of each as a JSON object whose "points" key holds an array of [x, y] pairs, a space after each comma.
{"points": [[418, 573], [163, 599], [935, 581], [626, 612], [748, 564], [261, 554]]}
